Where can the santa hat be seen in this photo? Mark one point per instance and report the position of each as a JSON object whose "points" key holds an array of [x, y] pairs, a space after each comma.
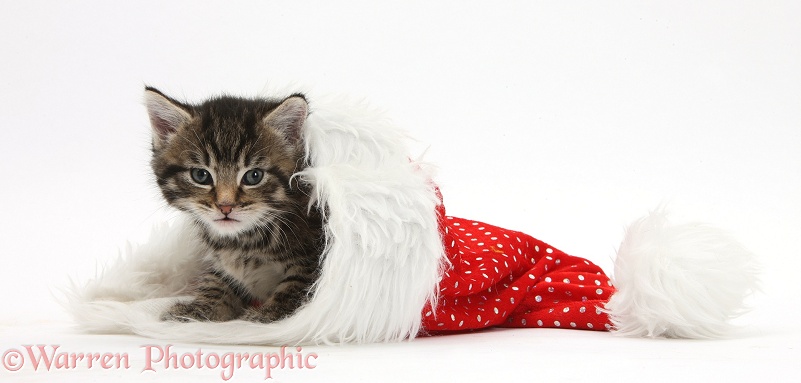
{"points": [[395, 266]]}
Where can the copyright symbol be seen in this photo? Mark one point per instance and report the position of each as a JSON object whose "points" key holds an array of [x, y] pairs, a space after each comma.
{"points": [[13, 360]]}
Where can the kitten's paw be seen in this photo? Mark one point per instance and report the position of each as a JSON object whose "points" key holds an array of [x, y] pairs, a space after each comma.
{"points": [[259, 315], [181, 312], [188, 312]]}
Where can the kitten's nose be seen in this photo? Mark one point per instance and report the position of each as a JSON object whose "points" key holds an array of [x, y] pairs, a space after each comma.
{"points": [[226, 209]]}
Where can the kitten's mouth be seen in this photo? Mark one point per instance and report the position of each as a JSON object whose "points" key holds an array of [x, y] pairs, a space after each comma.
{"points": [[226, 227], [226, 220]]}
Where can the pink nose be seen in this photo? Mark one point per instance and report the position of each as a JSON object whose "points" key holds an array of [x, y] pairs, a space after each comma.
{"points": [[226, 209]]}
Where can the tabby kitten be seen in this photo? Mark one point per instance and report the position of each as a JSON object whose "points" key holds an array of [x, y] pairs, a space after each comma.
{"points": [[229, 162]]}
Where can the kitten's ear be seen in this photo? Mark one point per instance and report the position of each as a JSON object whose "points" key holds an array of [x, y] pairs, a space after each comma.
{"points": [[288, 118], [166, 115]]}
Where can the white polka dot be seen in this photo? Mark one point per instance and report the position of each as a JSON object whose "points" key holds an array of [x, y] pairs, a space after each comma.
{"points": [[582, 309], [468, 272], [549, 250], [598, 311], [537, 249], [566, 309], [539, 323], [496, 310], [523, 321], [556, 323], [547, 279], [599, 291], [487, 233], [461, 322], [515, 288], [500, 246], [531, 276], [566, 280], [457, 224], [480, 244], [572, 324], [608, 327], [538, 298], [550, 289], [453, 318], [456, 285], [428, 314], [581, 277], [589, 325], [597, 282], [478, 317]]}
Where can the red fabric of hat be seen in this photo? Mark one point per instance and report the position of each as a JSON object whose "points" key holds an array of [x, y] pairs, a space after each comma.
{"points": [[506, 278]]}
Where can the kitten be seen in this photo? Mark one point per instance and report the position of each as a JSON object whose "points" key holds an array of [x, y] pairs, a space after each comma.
{"points": [[229, 162]]}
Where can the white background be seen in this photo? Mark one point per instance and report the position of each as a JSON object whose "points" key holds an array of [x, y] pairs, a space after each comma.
{"points": [[565, 121]]}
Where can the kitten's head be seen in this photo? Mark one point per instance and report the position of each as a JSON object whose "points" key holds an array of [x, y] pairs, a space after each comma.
{"points": [[228, 161]]}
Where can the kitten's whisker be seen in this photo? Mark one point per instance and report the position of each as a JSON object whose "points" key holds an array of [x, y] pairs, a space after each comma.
{"points": [[283, 238], [278, 214], [193, 143]]}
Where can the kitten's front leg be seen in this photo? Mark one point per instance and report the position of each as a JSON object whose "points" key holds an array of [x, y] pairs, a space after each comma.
{"points": [[287, 297], [215, 300]]}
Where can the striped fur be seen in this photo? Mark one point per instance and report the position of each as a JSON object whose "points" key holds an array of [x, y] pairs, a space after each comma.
{"points": [[261, 242]]}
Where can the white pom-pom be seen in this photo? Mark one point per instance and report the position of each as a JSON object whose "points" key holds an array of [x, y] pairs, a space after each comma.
{"points": [[679, 281]]}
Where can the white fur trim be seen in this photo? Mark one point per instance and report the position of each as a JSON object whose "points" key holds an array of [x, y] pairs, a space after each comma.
{"points": [[679, 281], [381, 265], [160, 268]]}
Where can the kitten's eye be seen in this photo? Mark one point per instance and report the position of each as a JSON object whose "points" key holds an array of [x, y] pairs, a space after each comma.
{"points": [[201, 176], [252, 177]]}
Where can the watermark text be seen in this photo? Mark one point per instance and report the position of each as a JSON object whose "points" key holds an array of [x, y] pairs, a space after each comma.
{"points": [[43, 358]]}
